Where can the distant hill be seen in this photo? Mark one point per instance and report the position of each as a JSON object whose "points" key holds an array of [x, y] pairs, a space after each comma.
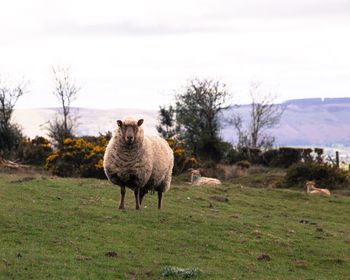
{"points": [[308, 122], [305, 121], [90, 121]]}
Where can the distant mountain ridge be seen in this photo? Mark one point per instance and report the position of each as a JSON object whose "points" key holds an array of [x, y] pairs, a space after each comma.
{"points": [[307, 122], [312, 121], [317, 101]]}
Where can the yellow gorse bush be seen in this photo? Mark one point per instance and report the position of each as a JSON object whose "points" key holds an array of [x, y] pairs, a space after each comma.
{"points": [[183, 159], [79, 157], [34, 151]]}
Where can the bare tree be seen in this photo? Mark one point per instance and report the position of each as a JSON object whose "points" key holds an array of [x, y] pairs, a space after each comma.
{"points": [[66, 90], [264, 114], [8, 99], [243, 135], [10, 133]]}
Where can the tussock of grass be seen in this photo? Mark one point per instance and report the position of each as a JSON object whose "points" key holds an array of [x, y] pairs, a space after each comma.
{"points": [[173, 271]]}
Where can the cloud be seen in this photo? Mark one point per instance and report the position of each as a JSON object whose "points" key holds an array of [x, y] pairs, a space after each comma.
{"points": [[130, 28], [124, 48], [157, 17]]}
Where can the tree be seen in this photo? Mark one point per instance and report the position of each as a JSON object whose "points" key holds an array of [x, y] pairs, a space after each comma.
{"points": [[66, 90], [167, 126], [242, 134], [264, 114], [197, 112], [10, 133]]}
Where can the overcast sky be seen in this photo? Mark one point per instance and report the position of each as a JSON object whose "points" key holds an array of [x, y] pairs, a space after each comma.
{"points": [[137, 53]]}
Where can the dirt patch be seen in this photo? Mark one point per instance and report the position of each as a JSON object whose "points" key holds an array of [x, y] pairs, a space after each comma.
{"points": [[264, 257], [111, 254], [83, 258], [300, 263], [219, 198], [236, 216]]}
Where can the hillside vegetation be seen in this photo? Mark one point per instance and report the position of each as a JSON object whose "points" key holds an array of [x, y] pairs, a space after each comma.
{"points": [[55, 228]]}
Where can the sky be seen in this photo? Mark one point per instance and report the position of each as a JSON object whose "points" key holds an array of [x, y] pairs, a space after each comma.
{"points": [[137, 54]]}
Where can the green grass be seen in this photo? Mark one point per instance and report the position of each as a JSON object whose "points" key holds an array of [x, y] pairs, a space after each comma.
{"points": [[54, 228]]}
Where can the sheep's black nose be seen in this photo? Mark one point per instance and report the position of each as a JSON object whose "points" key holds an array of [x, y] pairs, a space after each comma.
{"points": [[130, 138]]}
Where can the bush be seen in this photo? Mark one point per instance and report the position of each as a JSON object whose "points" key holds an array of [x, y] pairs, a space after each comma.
{"points": [[232, 156], [243, 154], [79, 157], [286, 156], [10, 140], [177, 272], [34, 151], [319, 153], [268, 157], [243, 164], [325, 175], [183, 159]]}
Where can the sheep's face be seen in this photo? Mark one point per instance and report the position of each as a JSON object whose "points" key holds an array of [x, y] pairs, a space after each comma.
{"points": [[309, 185], [130, 130]]}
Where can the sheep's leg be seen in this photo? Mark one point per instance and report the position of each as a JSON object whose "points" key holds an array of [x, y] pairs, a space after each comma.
{"points": [[122, 198], [160, 196], [137, 198], [142, 194]]}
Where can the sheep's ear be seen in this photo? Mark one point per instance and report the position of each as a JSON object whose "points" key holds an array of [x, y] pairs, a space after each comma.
{"points": [[120, 123], [140, 122]]}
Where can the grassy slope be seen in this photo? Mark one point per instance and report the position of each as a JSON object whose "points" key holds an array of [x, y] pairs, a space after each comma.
{"points": [[52, 228]]}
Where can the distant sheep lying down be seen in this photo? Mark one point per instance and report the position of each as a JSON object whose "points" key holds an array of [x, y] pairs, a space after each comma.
{"points": [[138, 162], [198, 180], [311, 188]]}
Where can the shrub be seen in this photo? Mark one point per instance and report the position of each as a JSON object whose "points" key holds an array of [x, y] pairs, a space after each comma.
{"points": [[177, 272], [34, 151], [286, 156], [325, 175], [245, 153], [183, 159], [78, 157], [268, 157], [232, 156], [319, 153], [10, 139], [243, 164]]}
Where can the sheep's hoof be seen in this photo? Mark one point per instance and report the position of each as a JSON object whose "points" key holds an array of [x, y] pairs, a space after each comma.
{"points": [[121, 207]]}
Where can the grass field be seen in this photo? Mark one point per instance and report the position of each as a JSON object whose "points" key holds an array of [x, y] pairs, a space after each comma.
{"points": [[54, 228]]}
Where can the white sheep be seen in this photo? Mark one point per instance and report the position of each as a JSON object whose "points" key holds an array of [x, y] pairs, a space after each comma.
{"points": [[311, 189], [139, 162], [198, 180]]}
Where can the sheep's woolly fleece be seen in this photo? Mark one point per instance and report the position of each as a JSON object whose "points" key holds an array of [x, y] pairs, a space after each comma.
{"points": [[148, 163]]}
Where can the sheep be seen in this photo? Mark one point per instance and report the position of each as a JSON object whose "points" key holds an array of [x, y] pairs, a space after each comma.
{"points": [[139, 162], [198, 180], [311, 188]]}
